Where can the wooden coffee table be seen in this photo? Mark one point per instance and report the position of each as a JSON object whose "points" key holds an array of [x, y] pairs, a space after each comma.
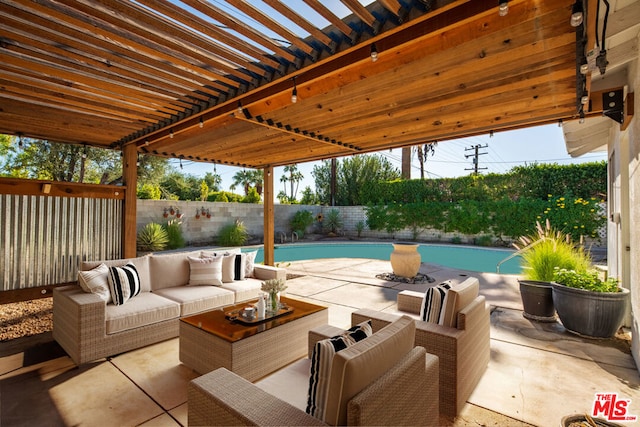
{"points": [[210, 340]]}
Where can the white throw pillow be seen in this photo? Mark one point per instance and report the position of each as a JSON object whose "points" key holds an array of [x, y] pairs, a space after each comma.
{"points": [[250, 263], [205, 271], [228, 264], [124, 283], [96, 281]]}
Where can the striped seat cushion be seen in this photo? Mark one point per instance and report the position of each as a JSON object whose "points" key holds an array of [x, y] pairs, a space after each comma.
{"points": [[124, 283], [321, 361]]}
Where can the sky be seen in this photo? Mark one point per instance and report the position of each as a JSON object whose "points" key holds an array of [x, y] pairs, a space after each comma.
{"points": [[504, 150]]}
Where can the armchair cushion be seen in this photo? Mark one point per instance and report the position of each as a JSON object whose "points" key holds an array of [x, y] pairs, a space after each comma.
{"points": [[357, 366], [321, 362], [459, 297]]}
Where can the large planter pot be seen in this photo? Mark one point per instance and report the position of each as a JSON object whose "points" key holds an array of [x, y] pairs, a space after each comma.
{"points": [[588, 313], [537, 300], [405, 259]]}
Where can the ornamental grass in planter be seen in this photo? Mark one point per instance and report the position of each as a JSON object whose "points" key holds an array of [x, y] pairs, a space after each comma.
{"points": [[542, 253], [587, 305]]}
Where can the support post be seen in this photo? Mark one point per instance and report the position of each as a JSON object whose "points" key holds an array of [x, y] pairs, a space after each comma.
{"points": [[269, 234], [129, 180]]}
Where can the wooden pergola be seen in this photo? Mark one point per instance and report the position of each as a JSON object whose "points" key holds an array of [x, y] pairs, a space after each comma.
{"points": [[213, 81]]}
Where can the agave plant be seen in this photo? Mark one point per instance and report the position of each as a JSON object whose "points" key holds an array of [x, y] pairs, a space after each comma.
{"points": [[152, 237]]}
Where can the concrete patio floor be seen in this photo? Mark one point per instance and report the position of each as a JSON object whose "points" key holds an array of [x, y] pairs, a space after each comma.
{"points": [[537, 374]]}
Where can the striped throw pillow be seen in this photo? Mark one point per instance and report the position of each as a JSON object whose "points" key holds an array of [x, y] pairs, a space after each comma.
{"points": [[433, 303], [124, 283], [321, 361], [96, 281], [205, 271]]}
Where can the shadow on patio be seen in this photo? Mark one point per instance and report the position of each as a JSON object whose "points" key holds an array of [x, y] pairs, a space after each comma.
{"points": [[537, 374]]}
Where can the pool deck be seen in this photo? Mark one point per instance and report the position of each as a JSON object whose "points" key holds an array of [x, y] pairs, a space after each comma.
{"points": [[537, 374]]}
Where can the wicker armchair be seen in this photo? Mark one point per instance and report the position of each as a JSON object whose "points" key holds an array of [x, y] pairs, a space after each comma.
{"points": [[463, 350], [383, 380]]}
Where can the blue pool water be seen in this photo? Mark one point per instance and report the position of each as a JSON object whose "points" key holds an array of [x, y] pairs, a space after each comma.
{"points": [[461, 257]]}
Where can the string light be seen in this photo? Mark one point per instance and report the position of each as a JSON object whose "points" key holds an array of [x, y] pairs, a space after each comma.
{"points": [[201, 123], [294, 93], [240, 109], [180, 163], [138, 160], [84, 152], [503, 7], [577, 14], [20, 144], [171, 134], [374, 53]]}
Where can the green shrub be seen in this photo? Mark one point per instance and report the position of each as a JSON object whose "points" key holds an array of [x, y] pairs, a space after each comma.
{"points": [[152, 237], [588, 280], [483, 240], [252, 196], [359, 227], [332, 223], [301, 220], [233, 234], [174, 233], [456, 240]]}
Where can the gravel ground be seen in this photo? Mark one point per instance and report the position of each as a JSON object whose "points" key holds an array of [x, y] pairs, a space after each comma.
{"points": [[23, 319]]}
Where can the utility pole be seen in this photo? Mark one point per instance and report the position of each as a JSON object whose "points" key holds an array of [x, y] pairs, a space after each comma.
{"points": [[475, 156]]}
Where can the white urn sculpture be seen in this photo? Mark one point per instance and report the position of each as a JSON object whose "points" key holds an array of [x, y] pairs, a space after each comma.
{"points": [[405, 259]]}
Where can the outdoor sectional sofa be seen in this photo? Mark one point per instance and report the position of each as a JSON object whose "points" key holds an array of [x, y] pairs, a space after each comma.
{"points": [[88, 328]]}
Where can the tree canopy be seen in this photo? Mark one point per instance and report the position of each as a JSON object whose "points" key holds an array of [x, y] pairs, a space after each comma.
{"points": [[352, 175]]}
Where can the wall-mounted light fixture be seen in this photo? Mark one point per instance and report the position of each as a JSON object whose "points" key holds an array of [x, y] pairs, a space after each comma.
{"points": [[374, 53], [577, 14], [503, 7]]}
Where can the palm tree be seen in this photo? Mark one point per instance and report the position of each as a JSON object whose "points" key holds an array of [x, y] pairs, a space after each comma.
{"points": [[294, 178], [242, 178], [257, 179]]}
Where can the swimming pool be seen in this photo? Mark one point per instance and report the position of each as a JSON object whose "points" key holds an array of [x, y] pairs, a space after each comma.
{"points": [[461, 257]]}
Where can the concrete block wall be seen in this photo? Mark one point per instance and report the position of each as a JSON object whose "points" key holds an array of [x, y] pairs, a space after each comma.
{"points": [[205, 230]]}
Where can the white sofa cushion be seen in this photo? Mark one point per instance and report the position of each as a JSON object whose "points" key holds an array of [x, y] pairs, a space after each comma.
{"points": [[170, 270], [194, 299], [145, 309], [244, 289], [141, 263], [250, 263]]}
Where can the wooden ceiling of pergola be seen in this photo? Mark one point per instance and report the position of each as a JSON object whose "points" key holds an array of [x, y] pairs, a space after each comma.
{"points": [[169, 76]]}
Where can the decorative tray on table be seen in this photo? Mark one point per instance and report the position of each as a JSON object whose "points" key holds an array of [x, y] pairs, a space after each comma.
{"points": [[244, 317]]}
